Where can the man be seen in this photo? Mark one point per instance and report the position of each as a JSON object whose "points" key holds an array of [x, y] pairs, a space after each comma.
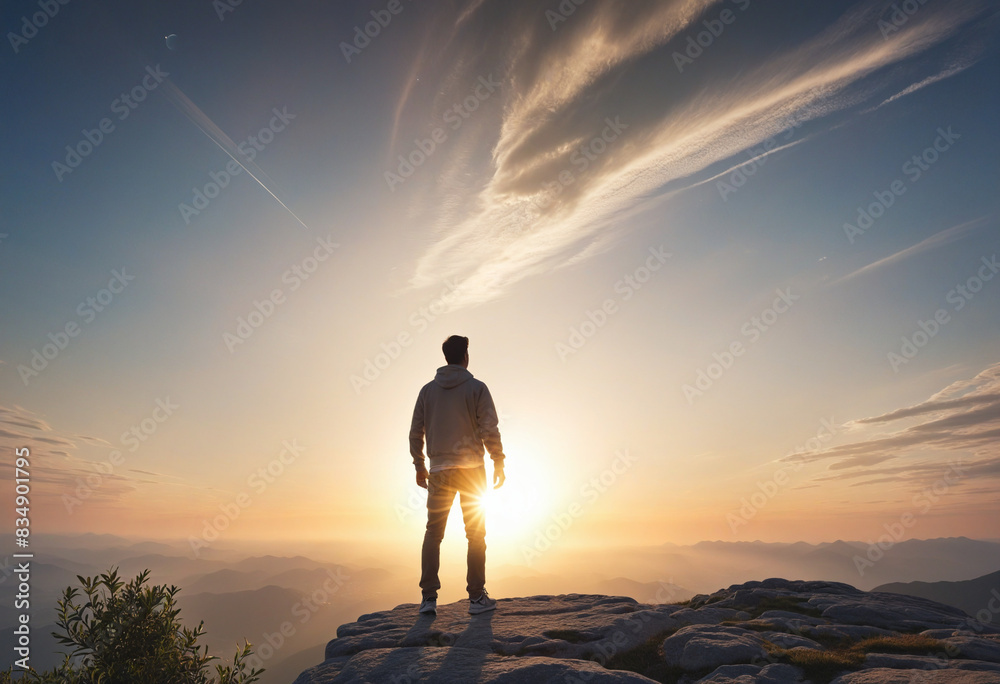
{"points": [[457, 414]]}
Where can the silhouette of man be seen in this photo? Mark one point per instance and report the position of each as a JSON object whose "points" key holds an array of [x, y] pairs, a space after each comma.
{"points": [[457, 414]]}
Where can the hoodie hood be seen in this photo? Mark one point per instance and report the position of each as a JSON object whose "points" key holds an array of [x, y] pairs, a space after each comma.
{"points": [[452, 375]]}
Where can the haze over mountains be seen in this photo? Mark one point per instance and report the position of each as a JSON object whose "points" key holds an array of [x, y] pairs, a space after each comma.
{"points": [[979, 597], [289, 606]]}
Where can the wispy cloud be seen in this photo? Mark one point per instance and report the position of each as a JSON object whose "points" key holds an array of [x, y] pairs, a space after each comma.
{"points": [[56, 469], [962, 421], [934, 406], [947, 73], [940, 239], [755, 158], [558, 89]]}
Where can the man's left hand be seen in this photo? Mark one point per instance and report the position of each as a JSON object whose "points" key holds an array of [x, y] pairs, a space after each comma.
{"points": [[498, 478]]}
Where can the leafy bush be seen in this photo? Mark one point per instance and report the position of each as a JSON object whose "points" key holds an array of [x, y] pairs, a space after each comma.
{"points": [[127, 633]]}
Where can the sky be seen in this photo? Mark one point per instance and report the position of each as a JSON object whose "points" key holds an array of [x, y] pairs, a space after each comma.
{"points": [[727, 267]]}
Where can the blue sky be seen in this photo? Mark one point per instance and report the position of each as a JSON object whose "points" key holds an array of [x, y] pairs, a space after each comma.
{"points": [[508, 171]]}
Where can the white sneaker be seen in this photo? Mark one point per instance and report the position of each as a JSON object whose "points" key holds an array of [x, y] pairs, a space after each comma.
{"points": [[429, 606], [482, 604]]}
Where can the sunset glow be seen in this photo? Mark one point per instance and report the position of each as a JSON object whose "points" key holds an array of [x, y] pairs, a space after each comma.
{"points": [[727, 268]]}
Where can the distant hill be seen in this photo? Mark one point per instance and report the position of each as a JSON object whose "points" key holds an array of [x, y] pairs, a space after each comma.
{"points": [[643, 592], [973, 596], [286, 670], [282, 624], [276, 564], [225, 580], [702, 566], [304, 579]]}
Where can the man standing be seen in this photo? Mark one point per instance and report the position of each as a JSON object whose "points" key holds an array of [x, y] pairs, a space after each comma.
{"points": [[457, 414]]}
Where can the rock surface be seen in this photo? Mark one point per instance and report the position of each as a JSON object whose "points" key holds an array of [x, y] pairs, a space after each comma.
{"points": [[771, 632], [705, 646]]}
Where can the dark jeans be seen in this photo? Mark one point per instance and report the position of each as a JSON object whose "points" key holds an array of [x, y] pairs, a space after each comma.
{"points": [[470, 483]]}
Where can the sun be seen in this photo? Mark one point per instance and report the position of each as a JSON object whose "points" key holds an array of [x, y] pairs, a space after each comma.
{"points": [[515, 512], [518, 509]]}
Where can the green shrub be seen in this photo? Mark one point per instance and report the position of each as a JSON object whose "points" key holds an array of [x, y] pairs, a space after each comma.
{"points": [[127, 633]]}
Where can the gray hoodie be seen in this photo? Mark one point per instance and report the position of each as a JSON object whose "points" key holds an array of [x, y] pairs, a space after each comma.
{"points": [[457, 414]]}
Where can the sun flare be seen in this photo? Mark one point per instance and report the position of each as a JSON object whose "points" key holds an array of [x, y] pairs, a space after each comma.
{"points": [[514, 513]]}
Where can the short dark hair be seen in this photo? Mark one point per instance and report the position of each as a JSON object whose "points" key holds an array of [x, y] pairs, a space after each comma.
{"points": [[455, 348]]}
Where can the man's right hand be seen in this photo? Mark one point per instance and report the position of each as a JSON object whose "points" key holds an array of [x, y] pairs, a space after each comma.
{"points": [[422, 477]]}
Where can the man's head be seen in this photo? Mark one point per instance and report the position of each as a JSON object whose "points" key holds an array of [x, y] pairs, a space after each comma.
{"points": [[456, 350]]}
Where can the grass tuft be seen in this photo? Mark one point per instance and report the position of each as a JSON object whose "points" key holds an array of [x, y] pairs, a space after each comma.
{"points": [[907, 644], [822, 666], [647, 659]]}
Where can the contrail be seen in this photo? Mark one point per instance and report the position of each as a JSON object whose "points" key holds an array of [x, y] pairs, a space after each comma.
{"points": [[223, 141]]}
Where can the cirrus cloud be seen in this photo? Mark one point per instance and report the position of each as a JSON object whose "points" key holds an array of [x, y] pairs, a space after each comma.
{"points": [[491, 200]]}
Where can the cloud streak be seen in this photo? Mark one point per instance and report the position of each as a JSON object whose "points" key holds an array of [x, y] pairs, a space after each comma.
{"points": [[940, 239], [491, 227], [960, 422], [56, 470]]}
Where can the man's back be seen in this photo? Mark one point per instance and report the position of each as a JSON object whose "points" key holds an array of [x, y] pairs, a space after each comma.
{"points": [[456, 413]]}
